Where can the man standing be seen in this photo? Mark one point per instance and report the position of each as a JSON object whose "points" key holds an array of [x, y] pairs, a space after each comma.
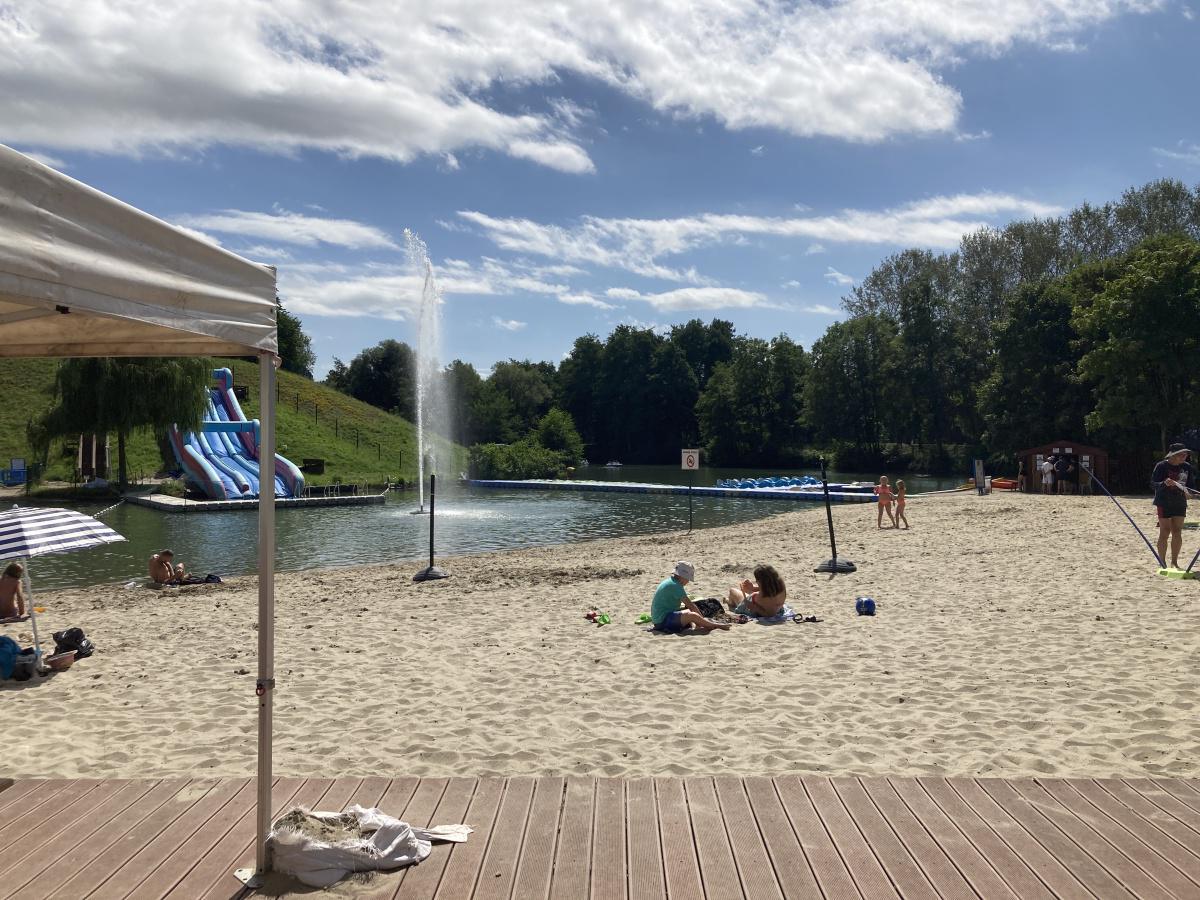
{"points": [[1172, 478], [1047, 474], [1061, 467]]}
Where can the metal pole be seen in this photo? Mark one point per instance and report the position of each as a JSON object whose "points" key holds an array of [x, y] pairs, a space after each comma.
{"points": [[265, 687], [832, 566], [691, 481], [433, 573], [1153, 549]]}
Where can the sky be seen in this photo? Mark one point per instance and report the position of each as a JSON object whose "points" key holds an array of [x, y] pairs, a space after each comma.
{"points": [[575, 166]]}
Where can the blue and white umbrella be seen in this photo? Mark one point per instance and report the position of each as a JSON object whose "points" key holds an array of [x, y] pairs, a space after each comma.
{"points": [[26, 532]]}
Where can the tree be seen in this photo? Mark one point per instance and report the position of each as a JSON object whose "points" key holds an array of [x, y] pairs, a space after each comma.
{"points": [[125, 395], [1144, 342], [846, 393], [383, 375], [577, 376], [529, 387], [295, 347], [555, 431]]}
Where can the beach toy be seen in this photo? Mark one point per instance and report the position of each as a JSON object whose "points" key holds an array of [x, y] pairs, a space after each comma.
{"points": [[590, 615], [604, 619], [642, 619], [1176, 573], [864, 606]]}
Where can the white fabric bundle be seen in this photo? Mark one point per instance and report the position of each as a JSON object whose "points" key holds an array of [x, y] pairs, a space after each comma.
{"points": [[321, 848]]}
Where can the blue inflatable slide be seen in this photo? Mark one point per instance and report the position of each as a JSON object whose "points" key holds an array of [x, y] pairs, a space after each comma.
{"points": [[221, 459]]}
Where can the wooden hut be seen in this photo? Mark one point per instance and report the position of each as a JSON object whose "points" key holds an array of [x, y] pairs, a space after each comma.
{"points": [[1082, 456]]}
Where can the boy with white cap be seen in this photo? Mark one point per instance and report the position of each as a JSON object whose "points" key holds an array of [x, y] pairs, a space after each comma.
{"points": [[665, 611]]}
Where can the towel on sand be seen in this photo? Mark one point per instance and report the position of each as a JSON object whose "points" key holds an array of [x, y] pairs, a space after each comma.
{"points": [[784, 615]]}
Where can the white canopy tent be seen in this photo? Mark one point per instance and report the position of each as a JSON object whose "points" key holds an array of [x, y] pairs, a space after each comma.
{"points": [[83, 274]]}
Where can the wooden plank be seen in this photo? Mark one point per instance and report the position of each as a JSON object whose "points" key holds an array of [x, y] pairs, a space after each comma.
{"points": [[1052, 873], [44, 806], [828, 867], [189, 837], [609, 866], [1153, 792], [899, 864], [974, 848], [537, 857], [498, 870], [15, 799], [573, 855], [1094, 876], [1181, 792], [61, 857], [853, 849], [680, 864], [212, 877], [750, 853], [1182, 846], [421, 882], [718, 871], [396, 800], [793, 871], [27, 836], [462, 868], [937, 867], [1130, 839], [647, 880], [1124, 870]]}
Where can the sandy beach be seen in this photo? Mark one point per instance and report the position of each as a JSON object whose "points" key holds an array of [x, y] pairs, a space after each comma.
{"points": [[1015, 635]]}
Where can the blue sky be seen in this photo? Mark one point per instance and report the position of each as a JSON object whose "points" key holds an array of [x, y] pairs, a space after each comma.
{"points": [[576, 166]]}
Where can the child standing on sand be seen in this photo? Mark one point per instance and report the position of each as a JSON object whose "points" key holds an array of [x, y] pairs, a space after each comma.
{"points": [[884, 492], [900, 491], [12, 597]]}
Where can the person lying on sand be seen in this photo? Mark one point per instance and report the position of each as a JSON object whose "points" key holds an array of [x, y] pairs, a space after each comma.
{"points": [[12, 598], [163, 569], [763, 597], [665, 611]]}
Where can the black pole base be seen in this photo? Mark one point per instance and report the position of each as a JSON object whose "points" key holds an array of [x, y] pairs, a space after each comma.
{"points": [[433, 573], [837, 567]]}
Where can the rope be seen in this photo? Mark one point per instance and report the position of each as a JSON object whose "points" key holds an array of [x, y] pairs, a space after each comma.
{"points": [[1157, 558], [109, 509]]}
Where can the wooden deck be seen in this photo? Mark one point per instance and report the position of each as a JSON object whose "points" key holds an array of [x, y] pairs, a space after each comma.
{"points": [[628, 839]]}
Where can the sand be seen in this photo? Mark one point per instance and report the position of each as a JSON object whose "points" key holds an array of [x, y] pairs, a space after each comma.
{"points": [[1016, 635]]}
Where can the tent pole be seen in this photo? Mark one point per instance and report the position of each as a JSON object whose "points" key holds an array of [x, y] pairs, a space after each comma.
{"points": [[265, 687]]}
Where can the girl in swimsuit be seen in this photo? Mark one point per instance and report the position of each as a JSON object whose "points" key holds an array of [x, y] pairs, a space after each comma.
{"points": [[900, 490], [884, 492], [12, 598]]}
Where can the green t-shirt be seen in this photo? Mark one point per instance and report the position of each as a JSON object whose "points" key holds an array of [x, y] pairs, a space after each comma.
{"points": [[666, 600]]}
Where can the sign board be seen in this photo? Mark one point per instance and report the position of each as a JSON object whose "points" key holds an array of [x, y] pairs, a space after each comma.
{"points": [[691, 459]]}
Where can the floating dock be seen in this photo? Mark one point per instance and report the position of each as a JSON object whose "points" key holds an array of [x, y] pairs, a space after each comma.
{"points": [[630, 487], [169, 503]]}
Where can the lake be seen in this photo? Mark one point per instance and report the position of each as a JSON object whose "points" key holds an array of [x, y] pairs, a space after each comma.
{"points": [[469, 520]]}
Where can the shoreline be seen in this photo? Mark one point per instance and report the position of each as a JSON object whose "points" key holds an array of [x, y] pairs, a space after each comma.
{"points": [[1017, 635]]}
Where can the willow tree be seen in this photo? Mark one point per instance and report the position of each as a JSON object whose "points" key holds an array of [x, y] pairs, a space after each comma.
{"points": [[123, 396]]}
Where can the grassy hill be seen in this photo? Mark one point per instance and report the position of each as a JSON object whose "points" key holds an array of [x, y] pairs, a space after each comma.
{"points": [[357, 441]]}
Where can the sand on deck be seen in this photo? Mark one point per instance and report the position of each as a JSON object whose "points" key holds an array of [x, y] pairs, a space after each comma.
{"points": [[1016, 635]]}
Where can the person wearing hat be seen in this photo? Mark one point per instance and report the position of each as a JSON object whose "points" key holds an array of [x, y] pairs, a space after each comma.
{"points": [[666, 612], [1172, 478]]}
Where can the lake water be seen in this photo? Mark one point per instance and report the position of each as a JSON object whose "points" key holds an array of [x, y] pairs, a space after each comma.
{"points": [[469, 520]]}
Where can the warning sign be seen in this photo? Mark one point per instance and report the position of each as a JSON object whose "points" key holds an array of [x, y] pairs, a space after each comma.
{"points": [[691, 459]]}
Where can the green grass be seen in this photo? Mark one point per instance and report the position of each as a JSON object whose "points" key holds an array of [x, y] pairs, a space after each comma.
{"points": [[357, 441]]}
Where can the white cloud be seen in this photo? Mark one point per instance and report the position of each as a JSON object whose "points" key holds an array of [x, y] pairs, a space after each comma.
{"points": [[265, 253], [833, 276], [821, 309], [508, 324], [1183, 152], [791, 284], [583, 299], [292, 228], [814, 249], [364, 80], [966, 136], [199, 235], [758, 151], [696, 298], [640, 245]]}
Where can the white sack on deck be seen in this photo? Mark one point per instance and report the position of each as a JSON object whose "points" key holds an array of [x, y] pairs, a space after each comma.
{"points": [[321, 848]]}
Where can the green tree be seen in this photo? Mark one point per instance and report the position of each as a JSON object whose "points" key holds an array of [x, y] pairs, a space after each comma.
{"points": [[529, 387], [555, 431], [384, 376], [124, 395], [295, 347], [1144, 342], [847, 390], [577, 376]]}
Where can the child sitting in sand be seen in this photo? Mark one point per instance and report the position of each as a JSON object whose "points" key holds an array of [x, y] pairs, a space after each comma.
{"points": [[764, 597], [163, 569], [665, 610], [884, 492], [900, 492], [12, 597]]}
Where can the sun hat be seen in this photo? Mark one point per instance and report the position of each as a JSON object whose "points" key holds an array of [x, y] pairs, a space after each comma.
{"points": [[685, 570], [1176, 448]]}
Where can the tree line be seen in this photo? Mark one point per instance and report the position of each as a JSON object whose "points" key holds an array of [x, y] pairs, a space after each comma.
{"points": [[1083, 326]]}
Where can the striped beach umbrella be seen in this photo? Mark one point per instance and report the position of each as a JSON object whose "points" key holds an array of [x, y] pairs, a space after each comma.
{"points": [[26, 532]]}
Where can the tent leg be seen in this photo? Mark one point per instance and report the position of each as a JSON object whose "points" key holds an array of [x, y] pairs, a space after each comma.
{"points": [[265, 687]]}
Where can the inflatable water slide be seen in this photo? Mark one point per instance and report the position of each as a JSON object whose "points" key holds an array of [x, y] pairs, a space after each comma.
{"points": [[221, 459]]}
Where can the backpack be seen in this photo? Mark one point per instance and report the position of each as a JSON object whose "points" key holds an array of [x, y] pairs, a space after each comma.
{"points": [[73, 639]]}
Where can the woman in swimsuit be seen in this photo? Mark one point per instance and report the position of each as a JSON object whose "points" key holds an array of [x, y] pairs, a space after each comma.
{"points": [[884, 492], [763, 597]]}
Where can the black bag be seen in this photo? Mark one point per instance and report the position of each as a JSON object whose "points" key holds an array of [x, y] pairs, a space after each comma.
{"points": [[73, 639], [710, 607]]}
